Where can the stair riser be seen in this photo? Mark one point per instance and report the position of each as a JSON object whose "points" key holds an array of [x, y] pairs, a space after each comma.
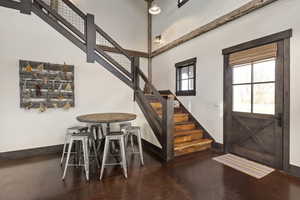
{"points": [[192, 149], [185, 127], [187, 138]]}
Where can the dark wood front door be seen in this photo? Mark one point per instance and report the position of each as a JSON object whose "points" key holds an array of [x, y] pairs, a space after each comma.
{"points": [[253, 96]]}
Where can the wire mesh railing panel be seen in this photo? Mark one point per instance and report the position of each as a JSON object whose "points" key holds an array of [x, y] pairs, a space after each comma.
{"points": [[67, 13], [100, 40], [72, 17], [122, 60]]}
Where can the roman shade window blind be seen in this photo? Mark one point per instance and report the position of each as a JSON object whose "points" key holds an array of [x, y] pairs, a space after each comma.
{"points": [[254, 54]]}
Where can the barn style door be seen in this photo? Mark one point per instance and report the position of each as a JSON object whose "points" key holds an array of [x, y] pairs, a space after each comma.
{"points": [[253, 97]]}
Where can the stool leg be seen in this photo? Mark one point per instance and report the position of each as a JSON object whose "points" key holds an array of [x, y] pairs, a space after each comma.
{"points": [[105, 152], [95, 152], [124, 161], [131, 142], [68, 158], [64, 149], [126, 140], [99, 144], [140, 146], [86, 157]]}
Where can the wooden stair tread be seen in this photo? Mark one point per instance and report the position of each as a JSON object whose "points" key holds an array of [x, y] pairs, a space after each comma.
{"points": [[184, 123], [188, 132], [192, 149], [199, 142], [176, 114], [156, 106], [188, 138], [187, 125]]}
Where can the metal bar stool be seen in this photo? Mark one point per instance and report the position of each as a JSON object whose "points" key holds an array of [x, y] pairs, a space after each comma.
{"points": [[114, 136], [132, 131], [84, 139], [70, 131]]}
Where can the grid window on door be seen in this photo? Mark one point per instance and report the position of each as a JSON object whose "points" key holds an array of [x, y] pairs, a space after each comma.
{"points": [[254, 87], [185, 78]]}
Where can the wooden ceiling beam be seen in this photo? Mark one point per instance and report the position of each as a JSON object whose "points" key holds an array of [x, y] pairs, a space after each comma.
{"points": [[130, 52], [242, 11]]}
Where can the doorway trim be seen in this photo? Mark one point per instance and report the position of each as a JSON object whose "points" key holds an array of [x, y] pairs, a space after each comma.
{"points": [[281, 36]]}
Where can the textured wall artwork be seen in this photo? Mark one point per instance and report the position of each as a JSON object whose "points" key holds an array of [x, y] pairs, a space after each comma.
{"points": [[46, 85]]}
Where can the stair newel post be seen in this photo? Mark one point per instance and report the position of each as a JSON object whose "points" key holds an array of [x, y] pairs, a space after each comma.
{"points": [[168, 128], [135, 66], [25, 7], [90, 33]]}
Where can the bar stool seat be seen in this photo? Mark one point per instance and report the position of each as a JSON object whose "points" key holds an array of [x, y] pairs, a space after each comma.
{"points": [[114, 136]]}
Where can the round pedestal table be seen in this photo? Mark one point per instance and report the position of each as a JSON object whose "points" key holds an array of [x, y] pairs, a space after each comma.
{"points": [[106, 118]]}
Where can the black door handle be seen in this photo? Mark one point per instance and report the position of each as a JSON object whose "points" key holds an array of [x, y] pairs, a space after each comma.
{"points": [[279, 119]]}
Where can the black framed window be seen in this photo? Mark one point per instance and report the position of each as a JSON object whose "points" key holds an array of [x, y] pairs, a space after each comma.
{"points": [[181, 2], [186, 77]]}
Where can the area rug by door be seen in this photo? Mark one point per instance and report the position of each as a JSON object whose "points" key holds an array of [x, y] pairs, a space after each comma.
{"points": [[243, 165]]}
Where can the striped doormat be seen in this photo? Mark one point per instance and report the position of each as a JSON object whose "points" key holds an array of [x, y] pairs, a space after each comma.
{"points": [[243, 165]]}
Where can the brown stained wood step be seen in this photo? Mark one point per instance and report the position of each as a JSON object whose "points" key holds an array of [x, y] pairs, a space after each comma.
{"points": [[195, 143], [156, 105], [189, 132], [184, 126], [181, 117], [192, 149], [187, 138], [176, 111]]}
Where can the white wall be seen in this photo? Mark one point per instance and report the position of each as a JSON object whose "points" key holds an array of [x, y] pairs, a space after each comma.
{"points": [[174, 22], [96, 90], [124, 20], [207, 105]]}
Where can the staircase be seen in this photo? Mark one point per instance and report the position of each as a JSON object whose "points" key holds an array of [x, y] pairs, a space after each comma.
{"points": [[176, 129], [189, 135]]}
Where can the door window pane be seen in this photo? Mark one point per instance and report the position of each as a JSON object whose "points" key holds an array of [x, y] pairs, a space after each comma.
{"points": [[242, 74], [242, 98], [264, 98], [264, 71]]}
